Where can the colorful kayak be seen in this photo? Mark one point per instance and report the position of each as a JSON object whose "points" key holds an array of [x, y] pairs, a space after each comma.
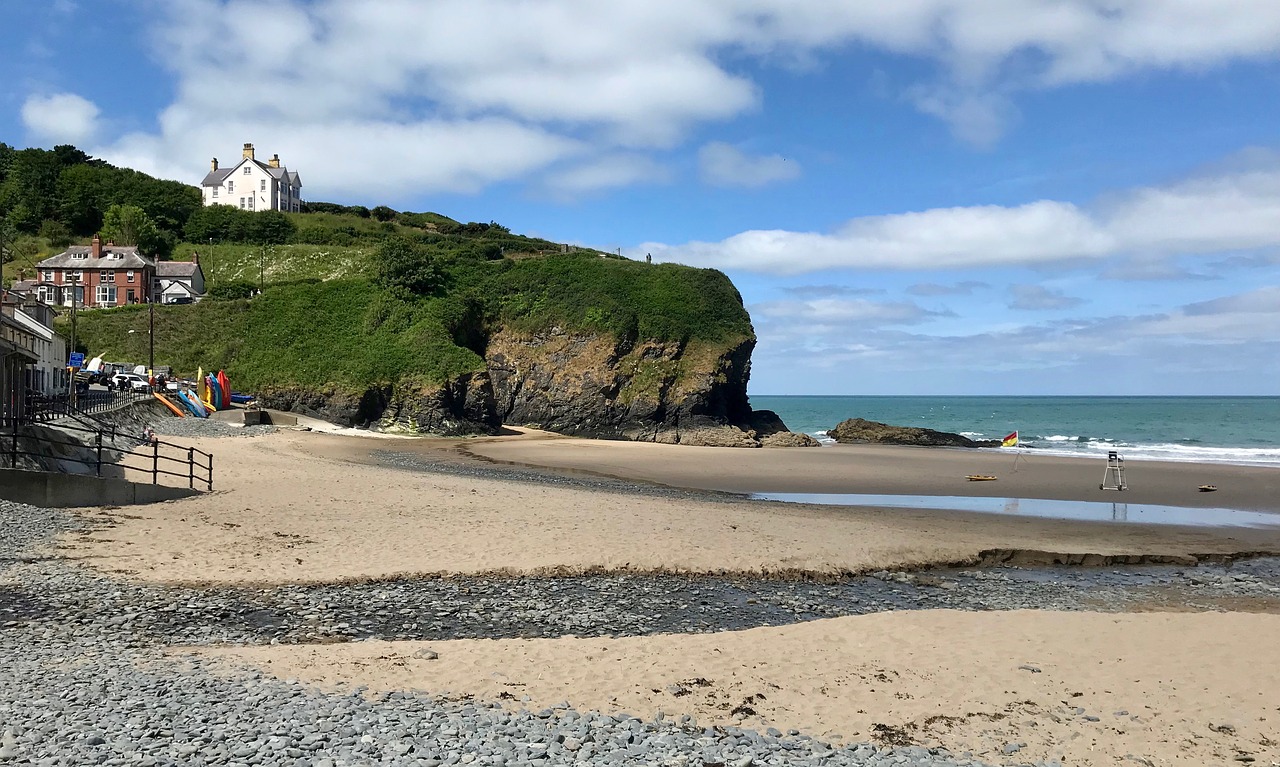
{"points": [[241, 399], [215, 393], [224, 386], [193, 404], [169, 404], [202, 391]]}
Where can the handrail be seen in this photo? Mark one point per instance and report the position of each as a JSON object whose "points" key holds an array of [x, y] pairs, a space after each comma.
{"points": [[203, 475]]}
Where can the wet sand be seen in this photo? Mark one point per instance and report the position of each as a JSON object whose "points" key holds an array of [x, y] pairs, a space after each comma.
{"points": [[893, 470], [307, 507]]}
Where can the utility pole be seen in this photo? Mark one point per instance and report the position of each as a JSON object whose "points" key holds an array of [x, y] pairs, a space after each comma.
{"points": [[212, 264], [151, 337], [71, 393]]}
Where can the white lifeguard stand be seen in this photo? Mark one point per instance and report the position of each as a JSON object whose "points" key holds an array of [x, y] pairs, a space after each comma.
{"points": [[1113, 478]]}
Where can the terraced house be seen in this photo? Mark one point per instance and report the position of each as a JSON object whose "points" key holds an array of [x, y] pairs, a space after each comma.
{"points": [[100, 276], [253, 185]]}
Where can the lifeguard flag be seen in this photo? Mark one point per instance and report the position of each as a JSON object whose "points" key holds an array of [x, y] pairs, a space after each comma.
{"points": [[1010, 441]]}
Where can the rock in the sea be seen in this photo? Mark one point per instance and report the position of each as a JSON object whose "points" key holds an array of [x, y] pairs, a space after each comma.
{"points": [[772, 432], [860, 430]]}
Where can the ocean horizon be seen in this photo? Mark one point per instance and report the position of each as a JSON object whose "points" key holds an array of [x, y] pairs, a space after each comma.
{"points": [[1236, 430]]}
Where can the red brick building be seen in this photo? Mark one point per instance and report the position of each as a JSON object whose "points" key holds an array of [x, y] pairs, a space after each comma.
{"points": [[103, 275]]}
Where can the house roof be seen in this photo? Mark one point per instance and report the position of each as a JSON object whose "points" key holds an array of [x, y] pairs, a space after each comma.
{"points": [[217, 177], [23, 286], [128, 258], [176, 268]]}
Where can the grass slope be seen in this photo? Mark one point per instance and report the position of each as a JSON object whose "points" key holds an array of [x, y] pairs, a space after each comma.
{"points": [[352, 334]]}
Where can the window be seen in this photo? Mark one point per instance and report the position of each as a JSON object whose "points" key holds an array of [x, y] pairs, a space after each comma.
{"points": [[47, 275], [231, 186], [106, 294], [129, 275], [250, 203], [80, 255], [215, 192], [263, 187], [246, 170], [77, 275], [242, 203], [45, 293], [108, 276]]}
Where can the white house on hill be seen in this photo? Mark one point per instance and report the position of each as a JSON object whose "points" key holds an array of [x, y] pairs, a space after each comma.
{"points": [[253, 185]]}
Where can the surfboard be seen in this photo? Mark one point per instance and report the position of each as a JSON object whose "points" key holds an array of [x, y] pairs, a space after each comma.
{"points": [[167, 403]]}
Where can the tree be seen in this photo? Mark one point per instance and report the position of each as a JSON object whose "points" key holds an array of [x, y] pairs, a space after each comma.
{"points": [[271, 227], [400, 263], [383, 213], [130, 225]]}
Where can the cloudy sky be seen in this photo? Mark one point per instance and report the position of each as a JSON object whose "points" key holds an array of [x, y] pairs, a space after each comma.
{"points": [[914, 197]]}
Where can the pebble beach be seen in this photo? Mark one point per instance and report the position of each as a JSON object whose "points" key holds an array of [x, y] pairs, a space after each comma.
{"points": [[258, 625]]}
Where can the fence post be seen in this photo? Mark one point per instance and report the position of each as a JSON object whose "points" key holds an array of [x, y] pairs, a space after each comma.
{"points": [[13, 462], [211, 472], [99, 440], [155, 461], [191, 467]]}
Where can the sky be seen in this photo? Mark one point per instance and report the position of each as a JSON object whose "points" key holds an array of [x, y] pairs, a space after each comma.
{"points": [[1040, 197]]}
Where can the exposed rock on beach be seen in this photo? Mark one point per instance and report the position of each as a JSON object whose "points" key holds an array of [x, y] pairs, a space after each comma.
{"points": [[862, 431]]}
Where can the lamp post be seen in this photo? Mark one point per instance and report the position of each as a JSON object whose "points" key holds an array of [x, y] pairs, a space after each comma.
{"points": [[213, 264], [151, 337]]}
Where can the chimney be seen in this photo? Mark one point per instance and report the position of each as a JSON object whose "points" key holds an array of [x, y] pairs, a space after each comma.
{"points": [[215, 163], [97, 247], [248, 151], [195, 257], [274, 162]]}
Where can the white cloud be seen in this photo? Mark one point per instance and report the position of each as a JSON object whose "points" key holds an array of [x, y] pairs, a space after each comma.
{"points": [[62, 118], [843, 311], [624, 75], [1229, 211], [721, 164], [1153, 353]]}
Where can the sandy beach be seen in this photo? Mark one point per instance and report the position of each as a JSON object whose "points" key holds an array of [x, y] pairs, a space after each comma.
{"points": [[306, 507], [1008, 686]]}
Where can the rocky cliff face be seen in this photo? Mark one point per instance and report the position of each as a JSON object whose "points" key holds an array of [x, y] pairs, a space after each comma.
{"points": [[579, 384], [595, 386]]}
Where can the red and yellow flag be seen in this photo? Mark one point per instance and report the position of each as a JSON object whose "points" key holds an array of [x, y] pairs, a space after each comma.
{"points": [[1010, 441]]}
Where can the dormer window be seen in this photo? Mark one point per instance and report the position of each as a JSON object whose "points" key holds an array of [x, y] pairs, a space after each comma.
{"points": [[78, 255]]}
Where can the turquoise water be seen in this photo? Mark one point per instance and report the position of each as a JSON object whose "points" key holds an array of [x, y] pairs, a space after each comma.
{"points": [[1244, 430]]}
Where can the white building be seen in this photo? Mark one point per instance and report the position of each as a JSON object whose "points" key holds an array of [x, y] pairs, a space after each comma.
{"points": [[253, 185], [179, 282], [47, 373]]}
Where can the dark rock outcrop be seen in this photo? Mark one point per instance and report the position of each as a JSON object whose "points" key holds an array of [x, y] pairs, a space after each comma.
{"points": [[596, 386], [858, 430], [580, 384]]}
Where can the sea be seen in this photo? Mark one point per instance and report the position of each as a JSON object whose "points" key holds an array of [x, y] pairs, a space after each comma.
{"points": [[1237, 430]]}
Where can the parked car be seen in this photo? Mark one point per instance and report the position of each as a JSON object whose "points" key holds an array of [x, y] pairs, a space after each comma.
{"points": [[130, 381]]}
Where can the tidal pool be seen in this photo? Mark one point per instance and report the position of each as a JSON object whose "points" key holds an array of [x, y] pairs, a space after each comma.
{"points": [[1093, 511]]}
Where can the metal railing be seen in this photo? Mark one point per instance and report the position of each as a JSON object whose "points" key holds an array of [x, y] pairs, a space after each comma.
{"points": [[149, 455], [40, 408]]}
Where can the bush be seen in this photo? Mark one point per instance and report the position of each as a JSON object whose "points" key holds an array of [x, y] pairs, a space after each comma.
{"points": [[383, 213], [229, 291], [402, 264]]}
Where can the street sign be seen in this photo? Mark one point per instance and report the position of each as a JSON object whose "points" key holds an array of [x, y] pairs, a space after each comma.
{"points": [[76, 361]]}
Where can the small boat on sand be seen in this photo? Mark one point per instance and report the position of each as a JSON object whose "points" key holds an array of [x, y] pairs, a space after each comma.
{"points": [[979, 477], [1207, 488]]}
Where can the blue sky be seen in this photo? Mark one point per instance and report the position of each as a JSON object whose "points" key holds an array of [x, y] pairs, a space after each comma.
{"points": [[918, 197]]}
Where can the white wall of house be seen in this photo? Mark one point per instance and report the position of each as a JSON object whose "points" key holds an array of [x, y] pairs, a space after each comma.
{"points": [[49, 375], [250, 187]]}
